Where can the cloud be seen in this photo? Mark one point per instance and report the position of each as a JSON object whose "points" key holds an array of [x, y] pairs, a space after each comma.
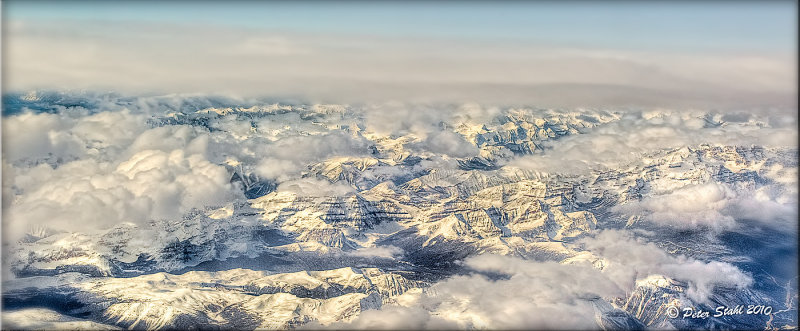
{"points": [[74, 134], [268, 46], [192, 139], [770, 205], [545, 295], [689, 207], [85, 195], [471, 112], [627, 259], [121, 170], [292, 155], [400, 118], [540, 295], [37, 136], [123, 174], [276, 168], [618, 143], [715, 206], [449, 143], [142, 57], [318, 147]]}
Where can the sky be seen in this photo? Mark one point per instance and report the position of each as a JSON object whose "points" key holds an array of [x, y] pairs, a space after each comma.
{"points": [[695, 26], [659, 49]]}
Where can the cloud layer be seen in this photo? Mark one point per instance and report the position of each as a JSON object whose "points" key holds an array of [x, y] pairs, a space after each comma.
{"points": [[159, 57]]}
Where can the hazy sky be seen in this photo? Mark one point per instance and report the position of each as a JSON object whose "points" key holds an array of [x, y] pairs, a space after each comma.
{"points": [[663, 50], [664, 26]]}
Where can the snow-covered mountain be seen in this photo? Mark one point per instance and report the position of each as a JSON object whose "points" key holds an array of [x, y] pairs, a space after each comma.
{"points": [[337, 211]]}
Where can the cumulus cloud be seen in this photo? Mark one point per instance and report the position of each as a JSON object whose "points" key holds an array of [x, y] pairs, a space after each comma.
{"points": [[769, 205], [541, 295], [398, 118], [33, 137], [122, 172], [273, 168], [449, 143], [714, 206], [37, 136], [627, 259], [192, 139], [292, 155], [85, 195], [689, 207], [471, 112]]}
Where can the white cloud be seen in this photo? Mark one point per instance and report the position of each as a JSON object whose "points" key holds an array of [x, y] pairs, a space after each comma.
{"points": [[398, 118], [192, 139], [120, 172], [69, 135], [544, 295], [449, 143], [716, 207], [36, 136], [618, 143], [268, 46], [85, 195], [777, 209], [344, 68], [628, 259], [272, 168], [292, 155], [688, 207], [537, 295]]}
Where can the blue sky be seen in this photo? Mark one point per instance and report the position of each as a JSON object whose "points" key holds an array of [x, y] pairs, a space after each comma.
{"points": [[662, 25]]}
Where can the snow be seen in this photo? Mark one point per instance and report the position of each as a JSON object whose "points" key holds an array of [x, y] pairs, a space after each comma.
{"points": [[321, 254]]}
